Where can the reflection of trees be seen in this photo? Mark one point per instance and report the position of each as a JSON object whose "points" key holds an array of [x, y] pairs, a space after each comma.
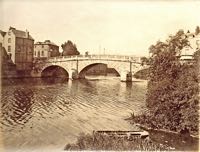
{"points": [[85, 85]]}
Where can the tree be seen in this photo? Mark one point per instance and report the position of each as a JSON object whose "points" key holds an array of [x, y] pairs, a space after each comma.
{"points": [[197, 30], [172, 87], [144, 60], [69, 49]]}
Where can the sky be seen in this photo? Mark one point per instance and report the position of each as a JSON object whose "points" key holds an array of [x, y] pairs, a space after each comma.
{"points": [[122, 27]]}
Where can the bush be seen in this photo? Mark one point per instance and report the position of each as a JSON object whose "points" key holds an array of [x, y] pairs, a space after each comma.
{"points": [[104, 142], [172, 96]]}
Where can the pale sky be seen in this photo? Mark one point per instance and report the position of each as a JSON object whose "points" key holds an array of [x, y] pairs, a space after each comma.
{"points": [[120, 26]]}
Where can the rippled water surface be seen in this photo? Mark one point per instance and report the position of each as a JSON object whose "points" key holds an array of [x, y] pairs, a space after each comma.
{"points": [[38, 114]]}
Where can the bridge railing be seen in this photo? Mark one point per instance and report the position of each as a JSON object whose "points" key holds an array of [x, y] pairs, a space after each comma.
{"points": [[107, 57]]}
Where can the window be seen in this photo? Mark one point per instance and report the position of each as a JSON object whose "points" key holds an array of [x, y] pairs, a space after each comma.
{"points": [[42, 53], [9, 33], [38, 53], [9, 40], [42, 46], [9, 48], [9, 55]]}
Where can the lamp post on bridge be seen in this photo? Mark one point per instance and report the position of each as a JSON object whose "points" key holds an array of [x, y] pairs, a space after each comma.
{"points": [[130, 67]]}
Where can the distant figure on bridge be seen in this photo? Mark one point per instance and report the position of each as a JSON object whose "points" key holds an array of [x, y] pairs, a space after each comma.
{"points": [[86, 53], [69, 49]]}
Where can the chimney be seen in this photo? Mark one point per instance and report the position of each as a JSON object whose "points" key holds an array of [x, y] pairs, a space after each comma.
{"points": [[11, 28], [27, 33]]}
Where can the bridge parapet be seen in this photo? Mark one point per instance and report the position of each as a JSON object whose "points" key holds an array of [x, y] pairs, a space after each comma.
{"points": [[76, 66], [96, 57]]}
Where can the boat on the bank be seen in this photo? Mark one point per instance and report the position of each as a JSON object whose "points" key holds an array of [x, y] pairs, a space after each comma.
{"points": [[119, 133]]}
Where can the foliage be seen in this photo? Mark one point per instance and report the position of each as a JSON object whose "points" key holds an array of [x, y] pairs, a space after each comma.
{"points": [[172, 95], [6, 63], [197, 56], [197, 30], [69, 49], [164, 68], [104, 142], [4, 55], [144, 60]]}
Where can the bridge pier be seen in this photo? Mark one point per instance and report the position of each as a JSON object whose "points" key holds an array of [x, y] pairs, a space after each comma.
{"points": [[73, 74], [126, 76]]}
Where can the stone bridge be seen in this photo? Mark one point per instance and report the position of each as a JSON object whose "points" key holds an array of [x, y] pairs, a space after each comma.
{"points": [[76, 66]]}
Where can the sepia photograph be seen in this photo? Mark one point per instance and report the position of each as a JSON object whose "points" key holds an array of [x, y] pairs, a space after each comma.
{"points": [[99, 75]]}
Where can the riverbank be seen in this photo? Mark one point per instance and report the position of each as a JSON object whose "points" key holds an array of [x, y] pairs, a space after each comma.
{"points": [[180, 141], [116, 143], [158, 140]]}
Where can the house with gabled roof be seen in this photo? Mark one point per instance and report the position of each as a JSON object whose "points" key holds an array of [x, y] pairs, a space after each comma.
{"points": [[2, 34], [186, 54], [19, 45]]}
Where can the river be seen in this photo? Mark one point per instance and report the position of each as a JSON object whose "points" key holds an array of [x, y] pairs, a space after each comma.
{"points": [[45, 115]]}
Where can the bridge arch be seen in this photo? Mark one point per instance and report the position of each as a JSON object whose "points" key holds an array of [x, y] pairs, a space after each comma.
{"points": [[76, 66], [54, 71], [141, 73], [82, 72]]}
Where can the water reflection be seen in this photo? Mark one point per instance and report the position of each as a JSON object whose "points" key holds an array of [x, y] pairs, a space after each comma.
{"points": [[129, 85], [42, 112], [33, 81], [18, 110], [52, 80], [86, 82]]}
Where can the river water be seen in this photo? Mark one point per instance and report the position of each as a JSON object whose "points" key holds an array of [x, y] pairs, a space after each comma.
{"points": [[44, 115]]}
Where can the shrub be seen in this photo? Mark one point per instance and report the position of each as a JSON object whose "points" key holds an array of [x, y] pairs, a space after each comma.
{"points": [[172, 95]]}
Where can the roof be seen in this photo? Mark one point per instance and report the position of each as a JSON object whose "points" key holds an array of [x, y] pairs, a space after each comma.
{"points": [[2, 33], [46, 42], [21, 34]]}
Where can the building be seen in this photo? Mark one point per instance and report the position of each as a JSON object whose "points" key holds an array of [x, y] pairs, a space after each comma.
{"points": [[2, 34], [46, 49], [19, 46], [186, 54], [194, 40]]}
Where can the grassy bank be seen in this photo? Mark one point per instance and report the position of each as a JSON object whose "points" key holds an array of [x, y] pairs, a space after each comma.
{"points": [[104, 142]]}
